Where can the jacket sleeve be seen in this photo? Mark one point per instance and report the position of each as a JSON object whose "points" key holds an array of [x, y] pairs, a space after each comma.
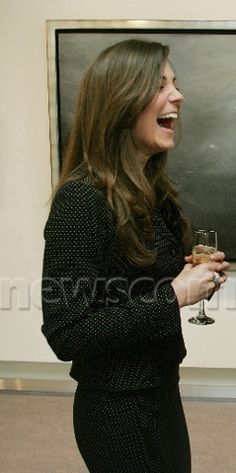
{"points": [[75, 244]]}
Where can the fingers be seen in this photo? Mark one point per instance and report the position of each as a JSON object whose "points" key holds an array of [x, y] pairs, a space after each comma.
{"points": [[219, 281], [223, 277], [218, 266], [188, 259], [217, 256]]}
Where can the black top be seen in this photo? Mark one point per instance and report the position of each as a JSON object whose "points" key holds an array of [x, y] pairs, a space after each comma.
{"points": [[118, 323]]}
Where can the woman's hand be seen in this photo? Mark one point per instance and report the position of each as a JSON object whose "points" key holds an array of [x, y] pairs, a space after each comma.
{"points": [[194, 283], [218, 256]]}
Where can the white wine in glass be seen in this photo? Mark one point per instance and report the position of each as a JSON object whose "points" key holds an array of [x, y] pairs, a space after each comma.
{"points": [[204, 245]]}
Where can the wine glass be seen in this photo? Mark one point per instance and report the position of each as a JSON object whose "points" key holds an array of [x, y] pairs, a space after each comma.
{"points": [[205, 244]]}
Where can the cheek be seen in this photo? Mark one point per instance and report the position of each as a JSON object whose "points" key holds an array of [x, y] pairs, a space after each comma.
{"points": [[160, 102], [140, 127], [145, 120]]}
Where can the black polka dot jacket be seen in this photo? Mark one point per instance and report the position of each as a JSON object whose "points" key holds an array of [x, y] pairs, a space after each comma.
{"points": [[118, 324]]}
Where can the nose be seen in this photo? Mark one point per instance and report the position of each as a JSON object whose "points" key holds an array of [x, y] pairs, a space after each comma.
{"points": [[176, 96]]}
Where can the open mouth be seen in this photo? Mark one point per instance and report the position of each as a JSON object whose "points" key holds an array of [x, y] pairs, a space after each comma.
{"points": [[167, 121]]}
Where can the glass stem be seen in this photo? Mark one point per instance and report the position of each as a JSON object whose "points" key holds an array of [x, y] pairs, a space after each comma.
{"points": [[201, 312]]}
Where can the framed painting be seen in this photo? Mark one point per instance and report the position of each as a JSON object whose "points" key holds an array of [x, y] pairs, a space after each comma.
{"points": [[203, 166]]}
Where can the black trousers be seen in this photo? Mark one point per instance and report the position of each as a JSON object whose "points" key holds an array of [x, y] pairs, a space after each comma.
{"points": [[140, 431]]}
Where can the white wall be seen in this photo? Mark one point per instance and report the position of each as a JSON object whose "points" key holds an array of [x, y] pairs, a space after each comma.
{"points": [[25, 171]]}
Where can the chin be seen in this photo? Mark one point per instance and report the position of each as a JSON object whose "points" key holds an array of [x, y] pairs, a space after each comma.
{"points": [[165, 148], [164, 145], [169, 146]]}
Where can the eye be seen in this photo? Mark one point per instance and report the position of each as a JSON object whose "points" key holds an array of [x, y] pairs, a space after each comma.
{"points": [[177, 87]]}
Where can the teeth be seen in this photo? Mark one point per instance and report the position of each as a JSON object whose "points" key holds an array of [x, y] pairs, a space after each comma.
{"points": [[168, 115]]}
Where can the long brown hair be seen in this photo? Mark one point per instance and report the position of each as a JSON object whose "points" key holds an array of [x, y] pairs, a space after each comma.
{"points": [[116, 88]]}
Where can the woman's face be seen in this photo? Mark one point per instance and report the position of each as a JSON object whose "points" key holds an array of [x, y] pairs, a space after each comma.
{"points": [[154, 129]]}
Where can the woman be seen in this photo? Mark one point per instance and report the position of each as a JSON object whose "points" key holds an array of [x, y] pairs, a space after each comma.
{"points": [[114, 276]]}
